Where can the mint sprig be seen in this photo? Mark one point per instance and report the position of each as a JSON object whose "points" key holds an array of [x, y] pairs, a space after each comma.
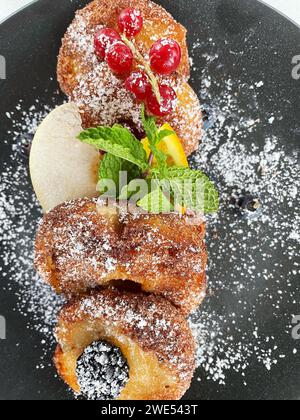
{"points": [[191, 189], [117, 141], [111, 167], [155, 136], [173, 186], [150, 127], [156, 202]]}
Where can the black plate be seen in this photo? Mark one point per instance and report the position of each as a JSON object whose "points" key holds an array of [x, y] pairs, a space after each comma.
{"points": [[253, 44]]}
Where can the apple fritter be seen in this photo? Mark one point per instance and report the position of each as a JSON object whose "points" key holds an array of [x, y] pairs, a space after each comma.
{"points": [[80, 246], [100, 95], [152, 335], [77, 58]]}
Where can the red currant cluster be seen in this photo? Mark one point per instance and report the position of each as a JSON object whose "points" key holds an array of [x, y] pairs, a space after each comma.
{"points": [[120, 52]]}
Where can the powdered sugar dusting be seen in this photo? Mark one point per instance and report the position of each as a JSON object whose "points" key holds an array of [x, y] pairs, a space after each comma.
{"points": [[241, 249], [148, 321], [102, 97], [19, 216]]}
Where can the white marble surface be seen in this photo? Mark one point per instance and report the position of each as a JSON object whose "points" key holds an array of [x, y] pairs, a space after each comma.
{"points": [[291, 8]]}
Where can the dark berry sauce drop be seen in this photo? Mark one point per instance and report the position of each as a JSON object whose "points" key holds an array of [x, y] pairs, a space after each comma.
{"points": [[249, 206]]}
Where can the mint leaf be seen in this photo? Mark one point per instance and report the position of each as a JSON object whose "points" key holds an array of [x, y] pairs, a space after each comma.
{"points": [[156, 202], [153, 133], [161, 157], [155, 137], [111, 167], [191, 189], [170, 186], [164, 133], [135, 190], [117, 141], [150, 126], [151, 130]]}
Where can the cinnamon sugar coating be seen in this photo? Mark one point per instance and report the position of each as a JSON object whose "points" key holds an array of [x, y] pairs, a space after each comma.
{"points": [[80, 246], [151, 333], [101, 96]]}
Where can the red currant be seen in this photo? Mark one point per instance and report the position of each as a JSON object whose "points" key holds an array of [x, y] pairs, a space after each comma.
{"points": [[167, 104], [104, 38], [130, 22], [165, 56], [138, 84], [119, 57]]}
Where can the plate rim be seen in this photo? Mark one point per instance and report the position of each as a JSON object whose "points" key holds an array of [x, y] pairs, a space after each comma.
{"points": [[22, 8]]}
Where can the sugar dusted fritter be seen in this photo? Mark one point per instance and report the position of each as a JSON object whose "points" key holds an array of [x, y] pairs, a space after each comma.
{"points": [[101, 96], [151, 333], [80, 246], [77, 57]]}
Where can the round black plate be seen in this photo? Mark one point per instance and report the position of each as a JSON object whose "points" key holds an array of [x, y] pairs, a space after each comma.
{"points": [[254, 44]]}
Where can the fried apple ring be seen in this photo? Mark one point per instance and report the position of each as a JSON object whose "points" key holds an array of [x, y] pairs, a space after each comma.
{"points": [[100, 95], [153, 336], [80, 246], [77, 58]]}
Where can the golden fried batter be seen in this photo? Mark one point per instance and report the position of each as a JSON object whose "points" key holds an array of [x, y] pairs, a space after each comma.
{"points": [[77, 57], [152, 335], [100, 96], [80, 246]]}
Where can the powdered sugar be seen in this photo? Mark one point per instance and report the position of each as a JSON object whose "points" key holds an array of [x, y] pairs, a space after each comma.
{"points": [[102, 97], [102, 372], [19, 216], [240, 273]]}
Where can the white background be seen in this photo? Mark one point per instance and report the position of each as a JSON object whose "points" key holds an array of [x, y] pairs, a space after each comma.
{"points": [[290, 8]]}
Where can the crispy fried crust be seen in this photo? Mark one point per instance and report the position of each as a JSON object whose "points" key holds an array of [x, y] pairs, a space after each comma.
{"points": [[152, 335], [100, 96], [80, 246], [78, 41]]}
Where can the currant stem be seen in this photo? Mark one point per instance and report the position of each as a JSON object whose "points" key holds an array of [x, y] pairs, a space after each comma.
{"points": [[146, 66]]}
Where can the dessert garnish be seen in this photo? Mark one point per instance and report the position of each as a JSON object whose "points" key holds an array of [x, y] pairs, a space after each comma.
{"points": [[172, 146], [165, 56], [103, 41], [120, 51], [130, 22], [171, 187], [119, 58], [138, 84], [166, 104]]}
